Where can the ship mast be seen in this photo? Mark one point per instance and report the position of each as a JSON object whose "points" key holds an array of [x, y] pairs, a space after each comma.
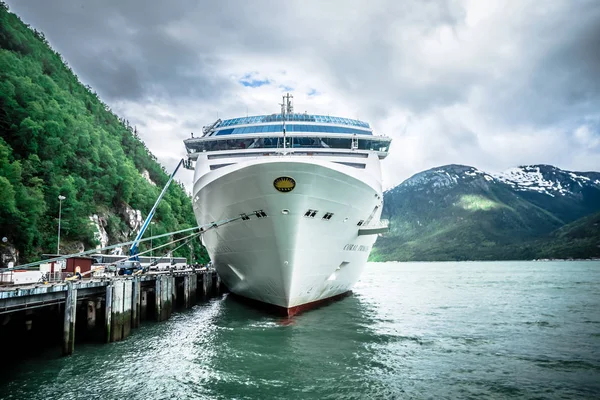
{"points": [[286, 108]]}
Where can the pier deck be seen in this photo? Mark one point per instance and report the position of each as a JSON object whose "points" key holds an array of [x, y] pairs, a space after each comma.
{"points": [[112, 304]]}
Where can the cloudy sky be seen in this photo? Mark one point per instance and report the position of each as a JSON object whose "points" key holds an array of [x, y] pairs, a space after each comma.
{"points": [[492, 84]]}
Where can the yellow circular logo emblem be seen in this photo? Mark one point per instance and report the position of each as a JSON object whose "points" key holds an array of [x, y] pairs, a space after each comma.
{"points": [[284, 184]]}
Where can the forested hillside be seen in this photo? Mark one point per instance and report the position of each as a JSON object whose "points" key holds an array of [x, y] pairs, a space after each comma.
{"points": [[59, 138]]}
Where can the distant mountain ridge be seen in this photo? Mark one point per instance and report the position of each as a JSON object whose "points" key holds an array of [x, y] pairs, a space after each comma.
{"points": [[460, 212]]}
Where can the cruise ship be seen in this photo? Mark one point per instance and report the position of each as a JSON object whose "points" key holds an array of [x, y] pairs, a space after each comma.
{"points": [[305, 194]]}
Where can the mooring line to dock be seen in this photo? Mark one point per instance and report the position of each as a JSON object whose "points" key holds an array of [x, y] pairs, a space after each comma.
{"points": [[161, 246], [203, 228], [83, 253]]}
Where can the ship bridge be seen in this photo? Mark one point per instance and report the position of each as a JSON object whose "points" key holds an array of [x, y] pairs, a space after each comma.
{"points": [[266, 132], [294, 134]]}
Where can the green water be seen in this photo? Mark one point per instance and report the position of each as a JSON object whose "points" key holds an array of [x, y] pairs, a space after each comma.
{"points": [[410, 330]]}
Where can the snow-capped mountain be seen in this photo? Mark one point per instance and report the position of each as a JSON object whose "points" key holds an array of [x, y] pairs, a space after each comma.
{"points": [[544, 179], [443, 177], [461, 210]]}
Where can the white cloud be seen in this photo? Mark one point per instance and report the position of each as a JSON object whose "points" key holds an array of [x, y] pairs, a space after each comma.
{"points": [[491, 84]]}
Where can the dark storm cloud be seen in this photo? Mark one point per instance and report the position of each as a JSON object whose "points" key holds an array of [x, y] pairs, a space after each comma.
{"points": [[123, 49]]}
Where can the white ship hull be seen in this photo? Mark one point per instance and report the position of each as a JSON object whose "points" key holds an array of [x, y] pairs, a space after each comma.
{"points": [[287, 259]]}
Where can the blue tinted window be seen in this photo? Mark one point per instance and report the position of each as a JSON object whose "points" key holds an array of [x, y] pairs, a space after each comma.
{"points": [[295, 117], [292, 127]]}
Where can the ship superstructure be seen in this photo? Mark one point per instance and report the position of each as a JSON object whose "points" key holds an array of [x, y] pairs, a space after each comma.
{"points": [[308, 191]]}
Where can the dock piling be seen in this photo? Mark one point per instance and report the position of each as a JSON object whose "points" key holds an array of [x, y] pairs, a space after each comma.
{"points": [[193, 286], [167, 291], [117, 311], [205, 286], [186, 291], [136, 306], [217, 284], [108, 312], [127, 306], [91, 314], [143, 315], [158, 298], [69, 321]]}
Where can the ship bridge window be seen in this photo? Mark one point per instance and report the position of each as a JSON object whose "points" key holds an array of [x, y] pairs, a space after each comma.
{"points": [[292, 128], [360, 222], [292, 117], [327, 216], [310, 213], [219, 144], [260, 214]]}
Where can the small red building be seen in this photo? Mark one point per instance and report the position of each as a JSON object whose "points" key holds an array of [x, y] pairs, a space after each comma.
{"points": [[70, 264]]}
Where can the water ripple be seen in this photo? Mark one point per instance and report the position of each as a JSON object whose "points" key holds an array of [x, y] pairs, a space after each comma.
{"points": [[410, 330]]}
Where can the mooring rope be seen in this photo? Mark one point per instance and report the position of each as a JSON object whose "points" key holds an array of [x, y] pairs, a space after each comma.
{"points": [[204, 228], [160, 247]]}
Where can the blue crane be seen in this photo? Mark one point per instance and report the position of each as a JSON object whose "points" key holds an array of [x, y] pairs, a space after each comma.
{"points": [[132, 263]]}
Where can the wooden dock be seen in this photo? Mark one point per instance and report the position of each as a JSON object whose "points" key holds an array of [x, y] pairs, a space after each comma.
{"points": [[114, 305]]}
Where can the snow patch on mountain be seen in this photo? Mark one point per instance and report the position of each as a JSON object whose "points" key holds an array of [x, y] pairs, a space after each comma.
{"points": [[446, 176], [531, 178], [543, 179]]}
